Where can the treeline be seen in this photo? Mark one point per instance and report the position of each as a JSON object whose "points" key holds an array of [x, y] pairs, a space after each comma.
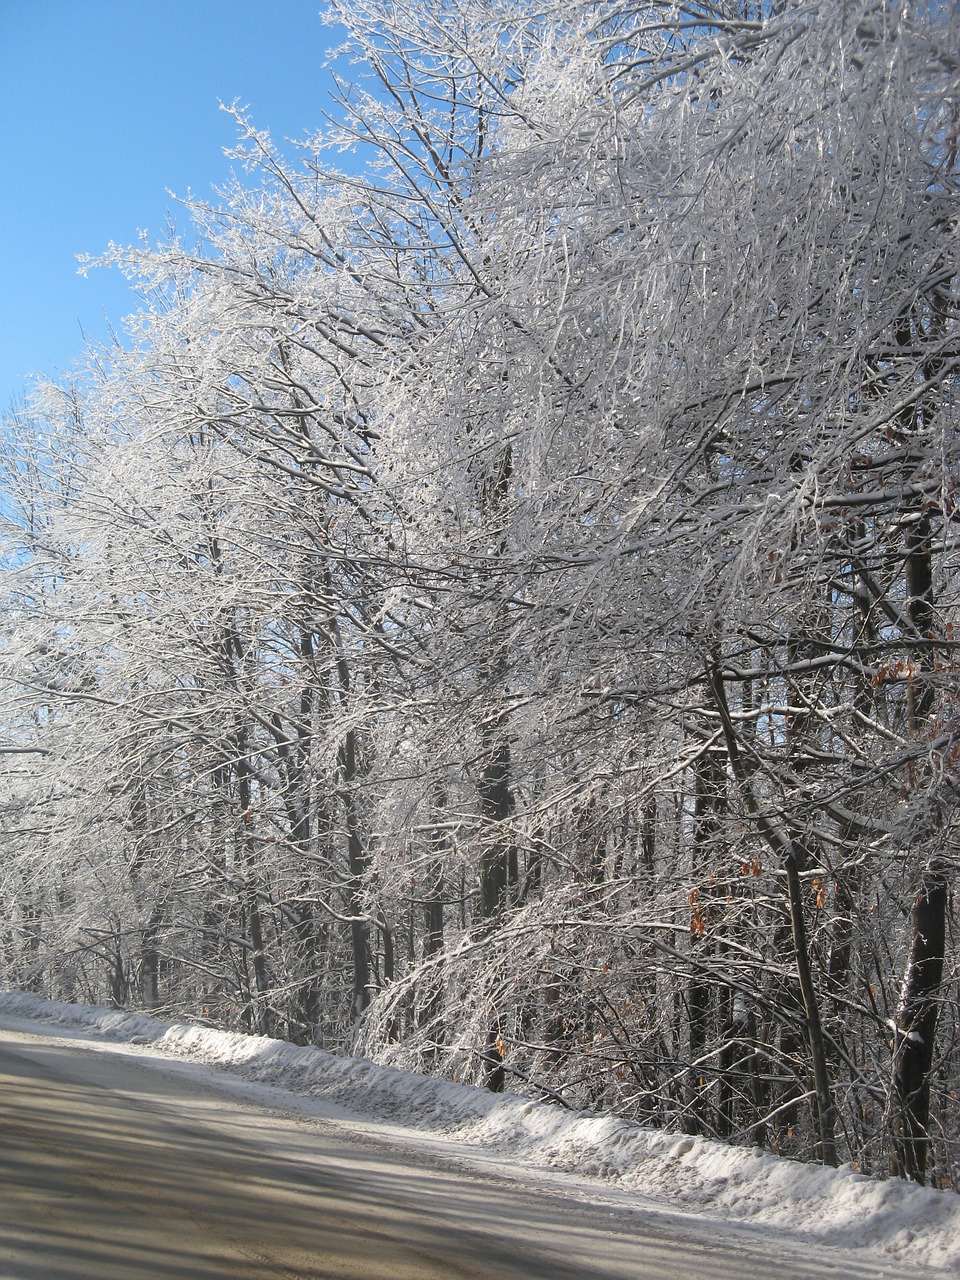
{"points": [[496, 613]]}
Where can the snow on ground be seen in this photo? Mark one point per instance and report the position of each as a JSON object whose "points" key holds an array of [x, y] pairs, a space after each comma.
{"points": [[837, 1207]]}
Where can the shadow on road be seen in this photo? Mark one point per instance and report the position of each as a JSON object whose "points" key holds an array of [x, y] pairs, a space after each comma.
{"points": [[109, 1169]]}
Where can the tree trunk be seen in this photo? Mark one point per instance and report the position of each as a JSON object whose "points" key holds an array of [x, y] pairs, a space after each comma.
{"points": [[784, 846], [262, 1021], [357, 868], [916, 1026], [918, 1010], [150, 959], [498, 854], [430, 1005]]}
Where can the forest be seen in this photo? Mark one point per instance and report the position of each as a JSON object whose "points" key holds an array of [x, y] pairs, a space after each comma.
{"points": [[497, 609]]}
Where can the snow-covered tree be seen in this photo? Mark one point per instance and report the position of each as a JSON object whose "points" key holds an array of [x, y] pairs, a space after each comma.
{"points": [[509, 593]]}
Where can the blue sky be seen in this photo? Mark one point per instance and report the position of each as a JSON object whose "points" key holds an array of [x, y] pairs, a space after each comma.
{"points": [[104, 105]]}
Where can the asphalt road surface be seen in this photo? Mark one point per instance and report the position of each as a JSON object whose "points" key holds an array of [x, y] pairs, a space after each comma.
{"points": [[117, 1167]]}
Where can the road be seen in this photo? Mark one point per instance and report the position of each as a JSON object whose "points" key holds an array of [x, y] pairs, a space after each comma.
{"points": [[118, 1166]]}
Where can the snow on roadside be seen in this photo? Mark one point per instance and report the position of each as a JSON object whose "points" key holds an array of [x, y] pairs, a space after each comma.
{"points": [[915, 1225]]}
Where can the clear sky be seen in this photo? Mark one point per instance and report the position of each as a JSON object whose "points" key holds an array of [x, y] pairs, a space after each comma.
{"points": [[104, 106]]}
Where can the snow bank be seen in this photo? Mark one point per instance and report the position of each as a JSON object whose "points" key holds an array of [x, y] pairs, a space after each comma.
{"points": [[835, 1206]]}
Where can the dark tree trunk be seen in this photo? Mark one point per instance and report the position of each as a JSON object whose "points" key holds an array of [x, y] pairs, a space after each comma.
{"points": [[431, 999], [916, 1027], [498, 854], [918, 1010], [710, 804], [357, 868], [150, 959], [262, 1021], [783, 843]]}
